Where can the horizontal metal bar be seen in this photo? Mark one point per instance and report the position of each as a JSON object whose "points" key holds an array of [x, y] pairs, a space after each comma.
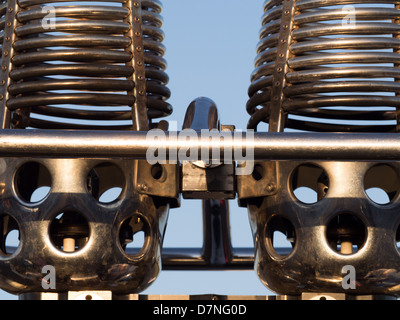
{"points": [[194, 259], [135, 145]]}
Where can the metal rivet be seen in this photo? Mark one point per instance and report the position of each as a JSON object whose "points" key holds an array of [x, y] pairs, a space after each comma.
{"points": [[143, 187], [136, 4], [270, 187], [2, 187]]}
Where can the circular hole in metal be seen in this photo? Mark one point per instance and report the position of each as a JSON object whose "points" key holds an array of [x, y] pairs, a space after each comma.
{"points": [[381, 184], [32, 182], [309, 183], [280, 236], [346, 233], [10, 235], [157, 171], [258, 172], [133, 235], [398, 238], [106, 182], [69, 231]]}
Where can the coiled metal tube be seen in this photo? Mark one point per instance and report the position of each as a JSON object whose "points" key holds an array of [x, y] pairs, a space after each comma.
{"points": [[77, 72], [340, 71]]}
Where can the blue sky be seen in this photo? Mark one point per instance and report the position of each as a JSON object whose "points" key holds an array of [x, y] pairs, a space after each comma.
{"points": [[211, 46]]}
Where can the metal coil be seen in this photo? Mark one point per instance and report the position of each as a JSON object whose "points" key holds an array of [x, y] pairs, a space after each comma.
{"points": [[341, 67], [79, 72]]}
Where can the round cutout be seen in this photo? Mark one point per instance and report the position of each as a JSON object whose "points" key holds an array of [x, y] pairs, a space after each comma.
{"points": [[258, 172], [398, 238], [280, 236], [157, 171], [106, 182], [32, 182], [309, 183], [133, 235], [381, 184], [10, 236], [69, 231], [346, 233]]}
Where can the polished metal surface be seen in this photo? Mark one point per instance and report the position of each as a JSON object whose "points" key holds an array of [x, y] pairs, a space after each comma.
{"points": [[79, 95], [342, 212], [101, 230], [328, 69], [266, 145], [329, 66], [86, 67], [90, 67], [205, 178]]}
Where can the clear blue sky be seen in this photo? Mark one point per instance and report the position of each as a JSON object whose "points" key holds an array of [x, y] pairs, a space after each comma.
{"points": [[211, 46]]}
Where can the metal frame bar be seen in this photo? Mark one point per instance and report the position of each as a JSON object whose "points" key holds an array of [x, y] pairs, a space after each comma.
{"points": [[6, 65], [266, 146]]}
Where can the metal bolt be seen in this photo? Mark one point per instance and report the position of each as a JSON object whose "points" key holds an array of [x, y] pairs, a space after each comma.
{"points": [[143, 187], [270, 187], [2, 187]]}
